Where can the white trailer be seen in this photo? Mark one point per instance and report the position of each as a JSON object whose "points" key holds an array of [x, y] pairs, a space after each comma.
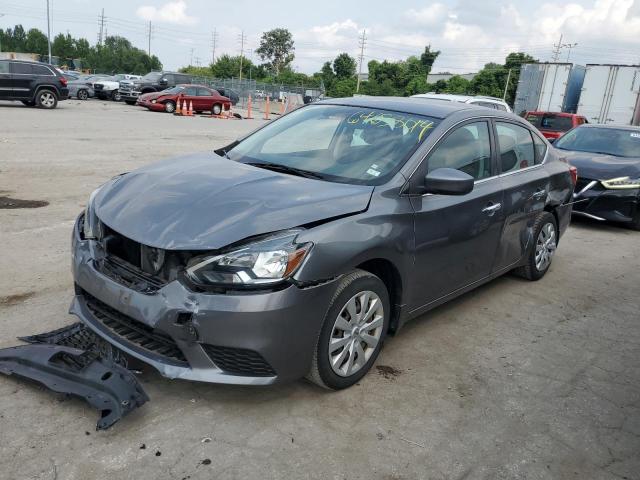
{"points": [[548, 87], [611, 94]]}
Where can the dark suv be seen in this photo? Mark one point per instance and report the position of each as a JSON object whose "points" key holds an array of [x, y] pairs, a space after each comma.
{"points": [[32, 83], [130, 90]]}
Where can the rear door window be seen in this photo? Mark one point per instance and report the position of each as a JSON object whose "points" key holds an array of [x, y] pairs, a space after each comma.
{"points": [[21, 68], [556, 123], [541, 148], [204, 92], [516, 147], [191, 91], [4, 67], [41, 70]]}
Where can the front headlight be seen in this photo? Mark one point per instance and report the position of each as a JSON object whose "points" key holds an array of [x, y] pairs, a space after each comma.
{"points": [[621, 183], [91, 227], [263, 262], [153, 101]]}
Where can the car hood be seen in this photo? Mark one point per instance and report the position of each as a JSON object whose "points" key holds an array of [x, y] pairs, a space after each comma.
{"points": [[205, 202], [108, 83], [597, 166], [151, 95]]}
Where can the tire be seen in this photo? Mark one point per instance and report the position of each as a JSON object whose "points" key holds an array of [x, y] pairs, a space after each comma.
{"points": [[130, 102], [170, 106], [545, 234], [82, 94], [29, 103], [46, 99], [330, 367], [635, 223], [115, 96], [216, 109]]}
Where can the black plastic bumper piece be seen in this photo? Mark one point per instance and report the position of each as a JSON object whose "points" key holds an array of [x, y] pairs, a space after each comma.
{"points": [[105, 385]]}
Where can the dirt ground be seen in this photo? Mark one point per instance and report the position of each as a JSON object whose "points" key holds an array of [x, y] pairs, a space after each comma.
{"points": [[515, 380]]}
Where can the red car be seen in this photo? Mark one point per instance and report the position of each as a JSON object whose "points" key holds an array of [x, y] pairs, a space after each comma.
{"points": [[554, 124], [203, 98]]}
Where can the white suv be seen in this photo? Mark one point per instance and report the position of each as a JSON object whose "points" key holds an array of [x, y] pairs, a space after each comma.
{"points": [[490, 102]]}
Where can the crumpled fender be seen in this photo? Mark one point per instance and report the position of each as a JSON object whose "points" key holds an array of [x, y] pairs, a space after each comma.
{"points": [[105, 385]]}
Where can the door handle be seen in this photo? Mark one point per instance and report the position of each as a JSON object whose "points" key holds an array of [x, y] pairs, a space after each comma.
{"points": [[539, 194], [492, 209]]}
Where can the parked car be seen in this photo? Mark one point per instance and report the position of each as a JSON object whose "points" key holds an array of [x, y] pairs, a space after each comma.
{"points": [[294, 251], [80, 89], [32, 83], [109, 87], [259, 94], [130, 90], [479, 100], [608, 162], [232, 95], [554, 124], [203, 99]]}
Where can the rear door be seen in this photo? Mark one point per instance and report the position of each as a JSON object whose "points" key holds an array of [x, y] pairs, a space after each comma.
{"points": [[456, 237], [22, 79], [6, 82], [525, 182], [205, 98], [190, 94]]}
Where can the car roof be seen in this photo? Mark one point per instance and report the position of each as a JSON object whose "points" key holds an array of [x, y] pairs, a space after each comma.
{"points": [[194, 85], [454, 97], [558, 114], [423, 106], [632, 128]]}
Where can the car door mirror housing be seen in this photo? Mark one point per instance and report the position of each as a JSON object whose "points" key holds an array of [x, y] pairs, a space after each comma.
{"points": [[163, 81], [448, 181]]}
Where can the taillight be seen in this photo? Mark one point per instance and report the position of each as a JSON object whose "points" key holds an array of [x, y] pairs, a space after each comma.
{"points": [[63, 81], [574, 174]]}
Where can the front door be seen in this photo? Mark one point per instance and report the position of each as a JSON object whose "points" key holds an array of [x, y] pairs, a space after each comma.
{"points": [[456, 237]]}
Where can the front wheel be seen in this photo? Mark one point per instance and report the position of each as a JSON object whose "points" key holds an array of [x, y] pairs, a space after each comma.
{"points": [[170, 107], [46, 99], [83, 94], [115, 96], [216, 109], [545, 234], [353, 331]]}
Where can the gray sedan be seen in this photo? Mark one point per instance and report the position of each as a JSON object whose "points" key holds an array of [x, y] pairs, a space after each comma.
{"points": [[296, 250], [81, 89]]}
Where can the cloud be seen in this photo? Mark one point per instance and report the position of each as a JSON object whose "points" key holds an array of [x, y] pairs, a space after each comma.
{"points": [[171, 12], [431, 16]]}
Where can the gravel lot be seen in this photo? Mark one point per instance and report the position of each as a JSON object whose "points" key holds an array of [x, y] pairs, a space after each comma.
{"points": [[515, 380]]}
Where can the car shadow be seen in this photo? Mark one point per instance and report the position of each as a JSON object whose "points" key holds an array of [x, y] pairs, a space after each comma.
{"points": [[586, 223]]}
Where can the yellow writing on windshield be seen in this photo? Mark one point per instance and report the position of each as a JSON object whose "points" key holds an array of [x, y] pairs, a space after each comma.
{"points": [[412, 125]]}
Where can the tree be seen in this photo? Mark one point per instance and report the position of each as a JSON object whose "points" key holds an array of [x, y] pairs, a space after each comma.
{"points": [[428, 57], [344, 66], [63, 46], [36, 42], [227, 66], [457, 84], [327, 75], [276, 46], [514, 62]]}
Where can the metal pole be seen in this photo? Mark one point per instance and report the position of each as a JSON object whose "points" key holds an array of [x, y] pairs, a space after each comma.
{"points": [[241, 53], [504, 97], [1, 15], [49, 31], [149, 46]]}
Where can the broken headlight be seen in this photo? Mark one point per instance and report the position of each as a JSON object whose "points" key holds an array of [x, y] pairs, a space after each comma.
{"points": [[621, 183], [91, 227], [263, 262]]}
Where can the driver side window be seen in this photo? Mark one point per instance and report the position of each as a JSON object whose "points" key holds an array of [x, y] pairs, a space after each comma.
{"points": [[467, 149]]}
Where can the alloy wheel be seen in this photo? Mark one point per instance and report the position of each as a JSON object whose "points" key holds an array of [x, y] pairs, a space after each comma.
{"points": [[82, 95], [356, 333], [545, 246], [47, 99]]}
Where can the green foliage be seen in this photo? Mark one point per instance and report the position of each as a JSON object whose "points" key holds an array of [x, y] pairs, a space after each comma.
{"points": [[276, 46], [457, 84], [344, 66], [117, 55]]}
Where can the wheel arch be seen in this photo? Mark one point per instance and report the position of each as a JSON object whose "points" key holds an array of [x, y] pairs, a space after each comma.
{"points": [[46, 86], [390, 276]]}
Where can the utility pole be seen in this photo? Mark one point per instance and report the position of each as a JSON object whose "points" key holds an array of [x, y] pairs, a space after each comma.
{"points": [[101, 36], [191, 59], [362, 41], [506, 86], [1, 15], [149, 39], [569, 46], [242, 39], [214, 41], [49, 31], [556, 51]]}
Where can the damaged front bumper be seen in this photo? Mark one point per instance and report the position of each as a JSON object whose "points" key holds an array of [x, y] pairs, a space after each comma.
{"points": [[105, 385]]}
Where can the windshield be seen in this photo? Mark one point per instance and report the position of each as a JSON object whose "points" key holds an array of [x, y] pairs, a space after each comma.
{"points": [[610, 141], [550, 121], [173, 90], [151, 77], [338, 143]]}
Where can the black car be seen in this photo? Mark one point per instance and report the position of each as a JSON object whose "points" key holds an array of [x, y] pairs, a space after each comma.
{"points": [[608, 161], [232, 95], [130, 90], [294, 251], [32, 83]]}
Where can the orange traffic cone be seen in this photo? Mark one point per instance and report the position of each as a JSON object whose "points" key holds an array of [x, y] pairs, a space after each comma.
{"points": [[266, 109], [184, 107], [249, 108], [177, 111], [190, 112]]}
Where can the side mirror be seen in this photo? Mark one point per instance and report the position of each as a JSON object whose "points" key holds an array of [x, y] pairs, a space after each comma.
{"points": [[163, 81], [448, 181]]}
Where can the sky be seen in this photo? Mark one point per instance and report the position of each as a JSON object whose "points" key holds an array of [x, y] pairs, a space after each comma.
{"points": [[469, 33]]}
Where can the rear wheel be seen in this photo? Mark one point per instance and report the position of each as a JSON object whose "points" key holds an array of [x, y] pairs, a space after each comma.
{"points": [[83, 94], [353, 331], [545, 233], [216, 109], [46, 99], [635, 223], [170, 106]]}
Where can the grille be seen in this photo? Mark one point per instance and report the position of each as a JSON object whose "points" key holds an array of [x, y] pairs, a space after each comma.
{"points": [[239, 361], [98, 86], [129, 276], [134, 332]]}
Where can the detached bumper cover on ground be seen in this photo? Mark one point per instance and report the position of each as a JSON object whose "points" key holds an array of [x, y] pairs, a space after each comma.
{"points": [[103, 383]]}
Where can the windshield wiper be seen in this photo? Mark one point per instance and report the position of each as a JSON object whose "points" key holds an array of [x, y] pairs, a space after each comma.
{"points": [[277, 167]]}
